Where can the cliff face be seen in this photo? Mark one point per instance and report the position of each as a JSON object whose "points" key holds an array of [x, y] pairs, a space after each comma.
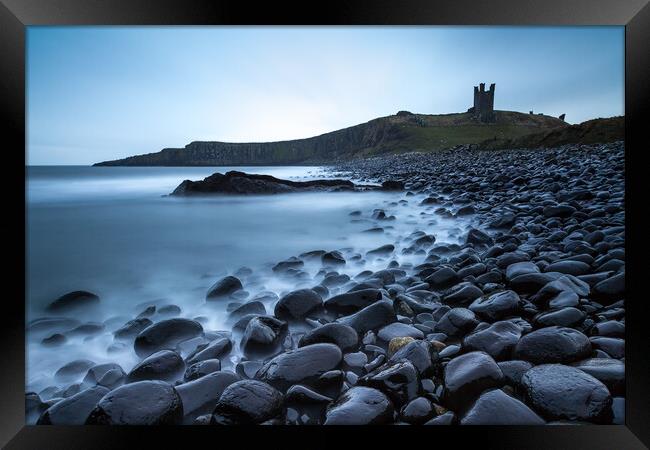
{"points": [[392, 134]]}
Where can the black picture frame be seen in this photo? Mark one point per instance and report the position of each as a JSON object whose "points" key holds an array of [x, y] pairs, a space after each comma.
{"points": [[16, 15]]}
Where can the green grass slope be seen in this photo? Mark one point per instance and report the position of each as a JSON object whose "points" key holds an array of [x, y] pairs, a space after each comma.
{"points": [[403, 132], [596, 131]]}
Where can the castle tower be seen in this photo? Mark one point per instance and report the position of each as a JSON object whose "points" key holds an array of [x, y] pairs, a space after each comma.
{"points": [[483, 107]]}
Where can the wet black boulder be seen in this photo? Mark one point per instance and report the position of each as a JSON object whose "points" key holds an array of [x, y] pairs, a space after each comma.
{"points": [[165, 335], [224, 288], [297, 305], [263, 336], [610, 290], [109, 375], [132, 328], [496, 306], [467, 376], [417, 411], [456, 322], [73, 410], [420, 353], [343, 336], [165, 365], [553, 345], [399, 380], [299, 366], [478, 237], [559, 392], [74, 301], [218, 348], [371, 317], [498, 340], [353, 301], [201, 368], [73, 370], [248, 402], [609, 371], [495, 407], [202, 394], [140, 403], [360, 406]]}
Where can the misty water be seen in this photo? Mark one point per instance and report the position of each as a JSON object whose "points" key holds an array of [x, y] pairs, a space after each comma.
{"points": [[112, 231]]}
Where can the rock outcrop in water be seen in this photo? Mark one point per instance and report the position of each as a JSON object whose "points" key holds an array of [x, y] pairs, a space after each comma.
{"points": [[235, 182]]}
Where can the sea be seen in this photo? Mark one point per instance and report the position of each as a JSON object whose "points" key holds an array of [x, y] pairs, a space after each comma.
{"points": [[114, 231]]}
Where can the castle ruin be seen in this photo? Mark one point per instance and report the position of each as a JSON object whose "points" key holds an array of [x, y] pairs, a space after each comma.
{"points": [[483, 108]]}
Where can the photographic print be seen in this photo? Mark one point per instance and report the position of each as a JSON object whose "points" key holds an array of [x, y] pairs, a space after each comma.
{"points": [[324, 225]]}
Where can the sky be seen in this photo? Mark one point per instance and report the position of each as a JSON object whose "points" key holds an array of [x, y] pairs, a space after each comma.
{"points": [[101, 93]]}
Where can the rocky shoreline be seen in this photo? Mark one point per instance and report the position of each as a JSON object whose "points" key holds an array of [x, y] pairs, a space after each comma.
{"points": [[520, 323]]}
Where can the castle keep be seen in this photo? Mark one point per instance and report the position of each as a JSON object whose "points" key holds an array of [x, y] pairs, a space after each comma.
{"points": [[483, 107]]}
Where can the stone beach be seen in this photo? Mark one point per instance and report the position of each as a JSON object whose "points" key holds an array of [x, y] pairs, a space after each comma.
{"points": [[521, 322]]}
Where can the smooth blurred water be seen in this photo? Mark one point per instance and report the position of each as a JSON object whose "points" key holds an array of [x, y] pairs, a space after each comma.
{"points": [[111, 231]]}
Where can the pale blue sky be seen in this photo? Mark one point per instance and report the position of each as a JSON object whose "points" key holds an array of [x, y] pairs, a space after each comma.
{"points": [[98, 93]]}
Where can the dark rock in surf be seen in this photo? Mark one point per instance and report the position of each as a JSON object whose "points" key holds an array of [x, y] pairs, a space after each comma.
{"points": [[73, 370], [343, 336], [297, 305], [201, 368], [353, 301], [132, 328], [371, 317], [73, 410], [164, 365], [263, 336], [165, 335], [240, 183], [218, 348], [74, 301], [225, 287], [202, 394]]}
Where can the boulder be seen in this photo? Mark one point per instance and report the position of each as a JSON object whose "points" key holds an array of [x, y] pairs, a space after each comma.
{"points": [[360, 406], [73, 410], [297, 305], [248, 402], [166, 334], [498, 408], [164, 365], [553, 345], [371, 317], [224, 288], [467, 376], [74, 301], [202, 394], [343, 336], [140, 403], [559, 392], [300, 366]]}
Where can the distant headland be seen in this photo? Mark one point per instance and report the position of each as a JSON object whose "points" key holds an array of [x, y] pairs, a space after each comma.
{"points": [[481, 125]]}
